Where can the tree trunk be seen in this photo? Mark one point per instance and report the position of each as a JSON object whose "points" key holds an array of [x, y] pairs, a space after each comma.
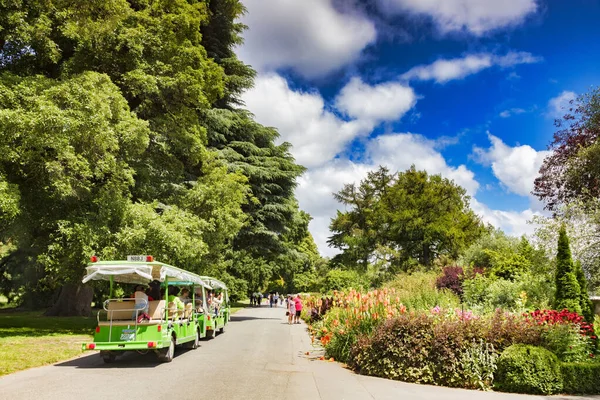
{"points": [[74, 301]]}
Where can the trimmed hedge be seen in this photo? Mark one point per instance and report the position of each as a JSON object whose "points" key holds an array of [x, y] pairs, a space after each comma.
{"points": [[528, 369], [581, 378]]}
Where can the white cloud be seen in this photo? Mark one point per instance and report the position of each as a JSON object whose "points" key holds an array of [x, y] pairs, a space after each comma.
{"points": [[317, 135], [443, 70], [513, 223], [309, 36], [512, 111], [474, 16], [384, 102], [515, 167], [559, 105], [400, 151]]}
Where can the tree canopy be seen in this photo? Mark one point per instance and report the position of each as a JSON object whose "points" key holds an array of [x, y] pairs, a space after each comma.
{"points": [[572, 170], [406, 218], [122, 132]]}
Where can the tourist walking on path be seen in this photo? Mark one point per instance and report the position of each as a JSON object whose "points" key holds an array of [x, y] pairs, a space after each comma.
{"points": [[298, 305], [291, 309]]}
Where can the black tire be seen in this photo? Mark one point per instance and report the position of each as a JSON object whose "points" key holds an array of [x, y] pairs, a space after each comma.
{"points": [[166, 355], [108, 356], [194, 344], [211, 334], [222, 329]]}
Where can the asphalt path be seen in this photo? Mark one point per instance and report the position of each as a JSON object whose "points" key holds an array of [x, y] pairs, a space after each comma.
{"points": [[259, 356]]}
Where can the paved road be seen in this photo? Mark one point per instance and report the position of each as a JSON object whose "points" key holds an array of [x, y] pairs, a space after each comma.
{"points": [[258, 357]]}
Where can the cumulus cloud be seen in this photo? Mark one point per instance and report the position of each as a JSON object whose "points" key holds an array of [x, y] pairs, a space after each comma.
{"points": [[513, 223], [444, 70], [474, 16], [310, 36], [317, 133], [559, 105], [384, 102], [399, 151], [511, 112], [515, 167]]}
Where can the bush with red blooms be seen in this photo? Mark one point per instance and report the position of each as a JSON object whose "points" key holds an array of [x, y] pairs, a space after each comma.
{"points": [[552, 317]]}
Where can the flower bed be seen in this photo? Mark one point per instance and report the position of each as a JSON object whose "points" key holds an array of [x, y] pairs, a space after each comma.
{"points": [[376, 334]]}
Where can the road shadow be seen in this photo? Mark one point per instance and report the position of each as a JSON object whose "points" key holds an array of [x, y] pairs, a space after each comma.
{"points": [[240, 318], [130, 359]]}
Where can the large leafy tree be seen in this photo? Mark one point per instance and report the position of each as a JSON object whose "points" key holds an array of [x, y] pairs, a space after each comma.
{"points": [[203, 186], [63, 151], [572, 170], [411, 217]]}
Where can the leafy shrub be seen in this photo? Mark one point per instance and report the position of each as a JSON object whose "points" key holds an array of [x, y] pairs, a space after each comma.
{"points": [[528, 369], [485, 294], [567, 335], [417, 291], [451, 279], [439, 348], [478, 361], [581, 378], [567, 342], [504, 329]]}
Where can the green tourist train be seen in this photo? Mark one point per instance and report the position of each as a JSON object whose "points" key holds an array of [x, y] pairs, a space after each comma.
{"points": [[169, 307]]}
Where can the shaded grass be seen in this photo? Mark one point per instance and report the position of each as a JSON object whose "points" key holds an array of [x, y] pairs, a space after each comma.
{"points": [[237, 306], [28, 339], [34, 324]]}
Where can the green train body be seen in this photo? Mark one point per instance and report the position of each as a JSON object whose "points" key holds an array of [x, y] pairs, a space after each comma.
{"points": [[133, 325]]}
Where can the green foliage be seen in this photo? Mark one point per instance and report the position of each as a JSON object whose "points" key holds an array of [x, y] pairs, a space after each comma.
{"points": [[528, 369], [587, 308], [426, 216], [342, 280], [528, 291], [568, 291], [494, 241], [417, 291], [581, 378], [508, 265], [306, 282], [567, 342], [478, 360]]}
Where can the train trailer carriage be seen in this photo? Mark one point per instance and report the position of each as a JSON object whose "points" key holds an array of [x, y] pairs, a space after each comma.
{"points": [[220, 309], [140, 325]]}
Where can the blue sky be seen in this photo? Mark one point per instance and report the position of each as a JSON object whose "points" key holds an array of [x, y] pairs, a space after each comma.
{"points": [[465, 88]]}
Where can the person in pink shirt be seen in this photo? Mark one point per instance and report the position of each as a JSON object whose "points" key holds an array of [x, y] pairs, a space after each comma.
{"points": [[298, 306]]}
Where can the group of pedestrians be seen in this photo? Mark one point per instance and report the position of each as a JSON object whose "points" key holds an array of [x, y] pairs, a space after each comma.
{"points": [[294, 309], [274, 299]]}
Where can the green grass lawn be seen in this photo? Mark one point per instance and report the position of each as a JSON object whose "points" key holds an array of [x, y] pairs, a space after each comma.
{"points": [[28, 339]]}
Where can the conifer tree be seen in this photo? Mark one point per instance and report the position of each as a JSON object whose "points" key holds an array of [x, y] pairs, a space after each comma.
{"points": [[587, 308], [568, 291]]}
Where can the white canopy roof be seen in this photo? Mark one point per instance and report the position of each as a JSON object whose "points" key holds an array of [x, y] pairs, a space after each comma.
{"points": [[214, 283], [139, 272]]}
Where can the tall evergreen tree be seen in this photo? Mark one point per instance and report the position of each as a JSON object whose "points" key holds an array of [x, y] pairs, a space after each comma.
{"points": [[568, 291], [587, 308]]}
